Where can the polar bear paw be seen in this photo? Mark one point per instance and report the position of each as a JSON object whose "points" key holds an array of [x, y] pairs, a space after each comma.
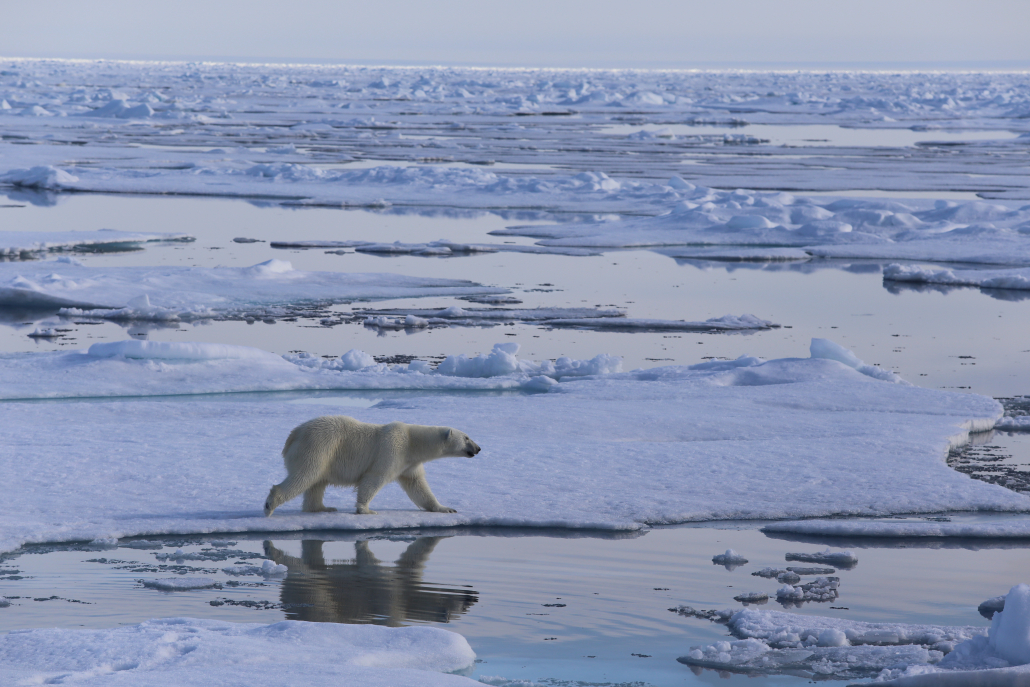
{"points": [[364, 510], [444, 509]]}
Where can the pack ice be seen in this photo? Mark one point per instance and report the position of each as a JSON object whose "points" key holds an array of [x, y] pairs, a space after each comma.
{"points": [[188, 651], [745, 438], [773, 642]]}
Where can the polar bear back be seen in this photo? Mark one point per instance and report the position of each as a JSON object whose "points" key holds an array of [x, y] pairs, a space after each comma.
{"points": [[341, 450]]}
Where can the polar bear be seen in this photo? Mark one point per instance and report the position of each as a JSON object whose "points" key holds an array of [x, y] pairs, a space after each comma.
{"points": [[339, 450]]}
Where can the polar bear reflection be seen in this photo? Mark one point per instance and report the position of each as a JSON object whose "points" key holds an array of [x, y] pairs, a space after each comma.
{"points": [[364, 590]]}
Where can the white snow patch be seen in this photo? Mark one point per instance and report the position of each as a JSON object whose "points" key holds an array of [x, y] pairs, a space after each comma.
{"points": [[171, 652]]}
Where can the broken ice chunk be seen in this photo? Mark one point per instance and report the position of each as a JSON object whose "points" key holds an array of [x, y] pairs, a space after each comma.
{"points": [[840, 559], [731, 559]]}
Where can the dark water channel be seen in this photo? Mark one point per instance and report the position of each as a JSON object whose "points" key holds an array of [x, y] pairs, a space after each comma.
{"points": [[583, 607]]}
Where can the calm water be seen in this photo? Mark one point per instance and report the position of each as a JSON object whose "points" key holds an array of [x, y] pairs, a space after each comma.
{"points": [[533, 604]]}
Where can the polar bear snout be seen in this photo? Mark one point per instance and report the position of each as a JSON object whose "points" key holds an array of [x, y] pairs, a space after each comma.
{"points": [[471, 448]]}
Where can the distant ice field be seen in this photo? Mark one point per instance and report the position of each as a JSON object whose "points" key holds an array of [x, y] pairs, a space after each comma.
{"points": [[558, 139]]}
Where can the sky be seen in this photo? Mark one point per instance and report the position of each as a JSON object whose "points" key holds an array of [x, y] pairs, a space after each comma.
{"points": [[531, 33]]}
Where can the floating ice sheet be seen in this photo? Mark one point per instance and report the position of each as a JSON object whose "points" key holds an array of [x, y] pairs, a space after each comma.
{"points": [[30, 243], [985, 279], [1009, 529], [129, 468], [187, 651], [172, 293]]}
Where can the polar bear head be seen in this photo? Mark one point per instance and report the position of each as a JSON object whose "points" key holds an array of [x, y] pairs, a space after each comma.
{"points": [[458, 444]]}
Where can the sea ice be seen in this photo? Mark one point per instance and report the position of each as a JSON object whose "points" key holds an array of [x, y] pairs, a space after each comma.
{"points": [[191, 466], [185, 651], [985, 279], [266, 569], [29, 244], [179, 584], [731, 559], [1007, 529], [840, 559], [172, 292]]}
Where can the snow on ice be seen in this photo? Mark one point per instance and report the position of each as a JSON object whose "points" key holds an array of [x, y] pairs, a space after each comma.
{"points": [[186, 651], [202, 467]]}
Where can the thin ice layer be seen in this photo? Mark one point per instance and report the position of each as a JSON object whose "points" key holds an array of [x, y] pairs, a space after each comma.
{"points": [[787, 438], [186, 651]]}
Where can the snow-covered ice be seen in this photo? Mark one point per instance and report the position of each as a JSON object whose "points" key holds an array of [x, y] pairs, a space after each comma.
{"points": [[188, 651], [283, 130], [173, 292], [731, 559], [198, 467], [158, 368], [985, 279], [1002, 657]]}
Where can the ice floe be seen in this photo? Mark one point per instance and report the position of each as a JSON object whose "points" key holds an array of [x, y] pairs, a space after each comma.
{"points": [[1002, 657], [731, 559], [187, 651], [1007, 529], [180, 584], [775, 642], [269, 288], [191, 466], [26, 244], [985, 279], [840, 559]]}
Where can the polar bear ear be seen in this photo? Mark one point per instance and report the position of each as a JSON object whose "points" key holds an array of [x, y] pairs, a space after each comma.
{"points": [[447, 434]]}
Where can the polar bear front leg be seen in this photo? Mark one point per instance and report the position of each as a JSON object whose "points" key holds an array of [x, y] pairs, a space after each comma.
{"points": [[417, 488], [313, 500], [368, 487]]}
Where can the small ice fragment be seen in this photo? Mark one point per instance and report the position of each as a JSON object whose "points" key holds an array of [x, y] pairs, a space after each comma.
{"points": [[752, 598], [788, 577], [244, 239], [731, 559], [811, 571], [840, 559], [769, 572], [178, 584]]}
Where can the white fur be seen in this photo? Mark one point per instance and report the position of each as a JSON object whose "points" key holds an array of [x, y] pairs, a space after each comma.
{"points": [[339, 450]]}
